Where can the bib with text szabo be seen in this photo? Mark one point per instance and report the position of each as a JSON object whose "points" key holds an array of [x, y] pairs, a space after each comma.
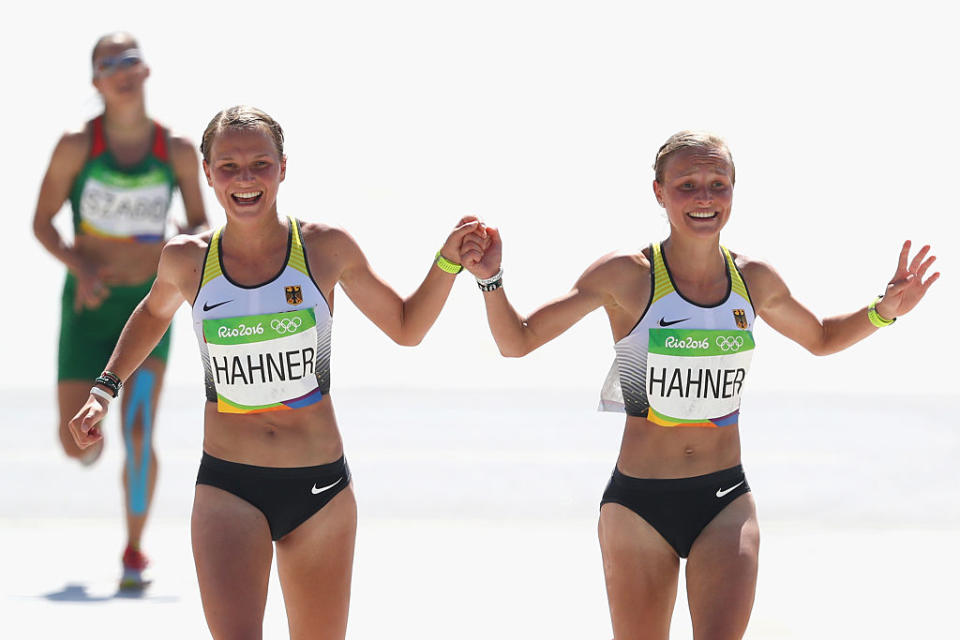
{"points": [[696, 375], [114, 205], [264, 362]]}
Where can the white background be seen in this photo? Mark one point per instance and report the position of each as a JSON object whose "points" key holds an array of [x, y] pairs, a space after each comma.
{"points": [[543, 118]]}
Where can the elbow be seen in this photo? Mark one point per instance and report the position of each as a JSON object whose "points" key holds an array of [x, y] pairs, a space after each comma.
{"points": [[819, 349], [408, 340], [405, 332], [512, 351], [818, 343]]}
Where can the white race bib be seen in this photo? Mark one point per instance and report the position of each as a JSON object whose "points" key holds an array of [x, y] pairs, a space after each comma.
{"points": [[696, 375], [263, 362], [135, 213]]}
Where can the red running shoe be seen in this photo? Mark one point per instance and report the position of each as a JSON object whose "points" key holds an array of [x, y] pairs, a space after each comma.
{"points": [[134, 566]]}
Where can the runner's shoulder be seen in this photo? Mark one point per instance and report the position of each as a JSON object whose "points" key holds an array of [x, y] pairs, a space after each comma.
{"points": [[319, 236], [622, 265], [615, 275], [763, 281], [752, 267], [73, 147], [182, 259], [187, 247], [76, 138], [182, 149]]}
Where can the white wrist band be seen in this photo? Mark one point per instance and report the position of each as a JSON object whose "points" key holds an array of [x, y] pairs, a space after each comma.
{"points": [[100, 393], [491, 279]]}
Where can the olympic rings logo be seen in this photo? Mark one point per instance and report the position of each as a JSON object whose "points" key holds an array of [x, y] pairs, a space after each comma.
{"points": [[729, 343], [285, 325]]}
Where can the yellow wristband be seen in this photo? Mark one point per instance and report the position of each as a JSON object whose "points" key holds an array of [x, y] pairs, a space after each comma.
{"points": [[446, 265], [875, 318]]}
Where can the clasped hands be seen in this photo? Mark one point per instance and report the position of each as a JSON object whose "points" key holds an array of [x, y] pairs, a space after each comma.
{"points": [[476, 246]]}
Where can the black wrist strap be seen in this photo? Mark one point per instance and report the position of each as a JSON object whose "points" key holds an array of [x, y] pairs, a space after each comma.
{"points": [[111, 381], [491, 286]]}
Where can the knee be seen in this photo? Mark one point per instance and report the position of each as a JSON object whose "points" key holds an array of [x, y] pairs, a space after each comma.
{"points": [[134, 434], [137, 434], [138, 445]]}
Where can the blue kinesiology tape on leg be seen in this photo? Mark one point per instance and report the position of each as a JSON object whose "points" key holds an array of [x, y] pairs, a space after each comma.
{"points": [[141, 399]]}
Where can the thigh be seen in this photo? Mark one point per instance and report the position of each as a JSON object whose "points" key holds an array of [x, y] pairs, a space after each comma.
{"points": [[315, 564], [641, 571], [722, 572], [87, 336], [232, 551]]}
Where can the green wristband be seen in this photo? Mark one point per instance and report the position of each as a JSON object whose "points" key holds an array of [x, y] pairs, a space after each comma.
{"points": [[446, 265], [876, 319]]}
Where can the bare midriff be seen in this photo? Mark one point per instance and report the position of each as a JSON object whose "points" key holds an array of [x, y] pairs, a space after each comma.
{"points": [[649, 450], [303, 437], [124, 263]]}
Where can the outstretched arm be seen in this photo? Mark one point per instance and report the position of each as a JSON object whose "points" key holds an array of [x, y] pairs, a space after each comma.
{"points": [[777, 306], [405, 320], [149, 320], [515, 335]]}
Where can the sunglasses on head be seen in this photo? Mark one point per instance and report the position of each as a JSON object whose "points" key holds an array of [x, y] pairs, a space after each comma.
{"points": [[108, 66]]}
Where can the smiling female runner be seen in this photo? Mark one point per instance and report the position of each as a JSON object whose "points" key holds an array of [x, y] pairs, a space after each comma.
{"points": [[119, 174], [261, 290], [682, 313]]}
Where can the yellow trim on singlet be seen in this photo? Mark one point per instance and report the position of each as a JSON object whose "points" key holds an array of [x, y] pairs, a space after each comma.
{"points": [[211, 268], [298, 259], [662, 286], [737, 285]]}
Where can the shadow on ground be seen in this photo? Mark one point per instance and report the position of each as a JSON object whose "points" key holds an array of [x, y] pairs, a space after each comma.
{"points": [[75, 592]]}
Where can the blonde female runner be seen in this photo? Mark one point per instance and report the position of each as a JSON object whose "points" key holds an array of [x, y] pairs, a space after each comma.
{"points": [[681, 312], [273, 473]]}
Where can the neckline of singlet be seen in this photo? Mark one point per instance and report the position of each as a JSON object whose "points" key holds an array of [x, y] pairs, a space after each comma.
{"points": [[99, 149], [286, 260], [656, 249], [727, 259]]}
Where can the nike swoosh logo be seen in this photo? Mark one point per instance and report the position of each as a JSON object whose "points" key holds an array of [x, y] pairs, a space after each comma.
{"points": [[207, 306], [315, 491], [723, 492], [667, 323]]}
